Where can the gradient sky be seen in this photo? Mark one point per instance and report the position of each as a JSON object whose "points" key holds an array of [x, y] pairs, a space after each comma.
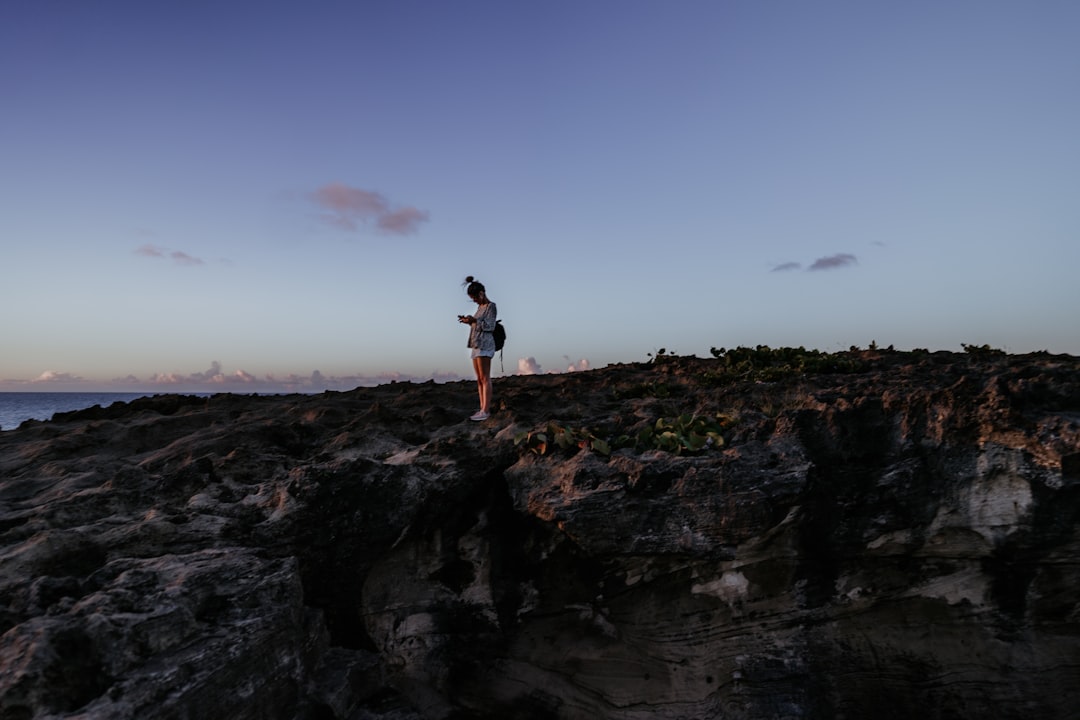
{"points": [[251, 196]]}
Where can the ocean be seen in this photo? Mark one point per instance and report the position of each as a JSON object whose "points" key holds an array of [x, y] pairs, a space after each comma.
{"points": [[18, 406]]}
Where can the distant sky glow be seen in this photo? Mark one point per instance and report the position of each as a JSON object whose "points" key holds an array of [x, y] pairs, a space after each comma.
{"points": [[261, 197]]}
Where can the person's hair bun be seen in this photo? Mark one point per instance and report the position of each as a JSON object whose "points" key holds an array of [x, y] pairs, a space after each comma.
{"points": [[470, 279]]}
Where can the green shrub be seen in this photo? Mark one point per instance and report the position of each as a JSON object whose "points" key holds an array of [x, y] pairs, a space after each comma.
{"points": [[542, 441], [683, 434]]}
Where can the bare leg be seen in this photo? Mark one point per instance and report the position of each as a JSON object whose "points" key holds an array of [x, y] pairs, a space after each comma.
{"points": [[482, 365]]}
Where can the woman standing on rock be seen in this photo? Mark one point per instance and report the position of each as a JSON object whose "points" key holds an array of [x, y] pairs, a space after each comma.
{"points": [[482, 342]]}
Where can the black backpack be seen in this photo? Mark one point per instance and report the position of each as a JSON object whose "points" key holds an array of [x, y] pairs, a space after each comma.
{"points": [[499, 333]]}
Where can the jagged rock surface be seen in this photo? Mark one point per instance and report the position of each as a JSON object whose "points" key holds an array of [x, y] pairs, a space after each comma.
{"points": [[897, 542]]}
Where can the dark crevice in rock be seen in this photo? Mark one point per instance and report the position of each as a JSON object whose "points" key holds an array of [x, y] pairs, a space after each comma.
{"points": [[78, 560], [1070, 467], [1011, 571], [819, 562], [1019, 560], [77, 674], [516, 544], [337, 541]]}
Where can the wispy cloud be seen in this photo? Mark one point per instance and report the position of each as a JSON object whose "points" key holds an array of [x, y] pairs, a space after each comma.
{"points": [[182, 258], [152, 251], [349, 204], [834, 261], [403, 221], [179, 258], [829, 262], [349, 208]]}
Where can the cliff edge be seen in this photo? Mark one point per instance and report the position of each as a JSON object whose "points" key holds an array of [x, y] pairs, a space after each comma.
{"points": [[762, 534]]}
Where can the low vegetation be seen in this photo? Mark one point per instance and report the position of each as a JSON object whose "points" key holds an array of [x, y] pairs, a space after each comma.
{"points": [[684, 434], [982, 351], [694, 433], [768, 364]]}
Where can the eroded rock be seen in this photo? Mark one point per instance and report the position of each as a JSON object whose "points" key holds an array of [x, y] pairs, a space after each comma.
{"points": [[899, 541]]}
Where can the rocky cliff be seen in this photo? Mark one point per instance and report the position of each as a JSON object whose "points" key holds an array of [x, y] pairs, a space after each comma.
{"points": [[876, 534]]}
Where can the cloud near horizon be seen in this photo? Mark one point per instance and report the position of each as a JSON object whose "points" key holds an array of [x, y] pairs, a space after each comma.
{"points": [[528, 366], [784, 267], [216, 379], [51, 376], [579, 366], [349, 208]]}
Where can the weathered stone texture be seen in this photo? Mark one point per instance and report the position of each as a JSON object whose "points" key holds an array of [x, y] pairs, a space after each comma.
{"points": [[898, 542]]}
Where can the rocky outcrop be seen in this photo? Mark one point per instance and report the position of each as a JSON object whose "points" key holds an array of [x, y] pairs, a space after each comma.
{"points": [[895, 537]]}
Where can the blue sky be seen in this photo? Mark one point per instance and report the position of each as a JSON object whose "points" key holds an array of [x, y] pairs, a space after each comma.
{"points": [[283, 195]]}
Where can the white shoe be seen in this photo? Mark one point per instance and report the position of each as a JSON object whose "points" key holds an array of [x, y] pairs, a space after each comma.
{"points": [[480, 415]]}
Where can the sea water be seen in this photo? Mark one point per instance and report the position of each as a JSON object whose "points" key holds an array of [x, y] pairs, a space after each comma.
{"points": [[15, 407]]}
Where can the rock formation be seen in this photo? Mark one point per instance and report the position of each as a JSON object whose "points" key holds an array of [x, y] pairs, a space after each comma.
{"points": [[893, 535]]}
